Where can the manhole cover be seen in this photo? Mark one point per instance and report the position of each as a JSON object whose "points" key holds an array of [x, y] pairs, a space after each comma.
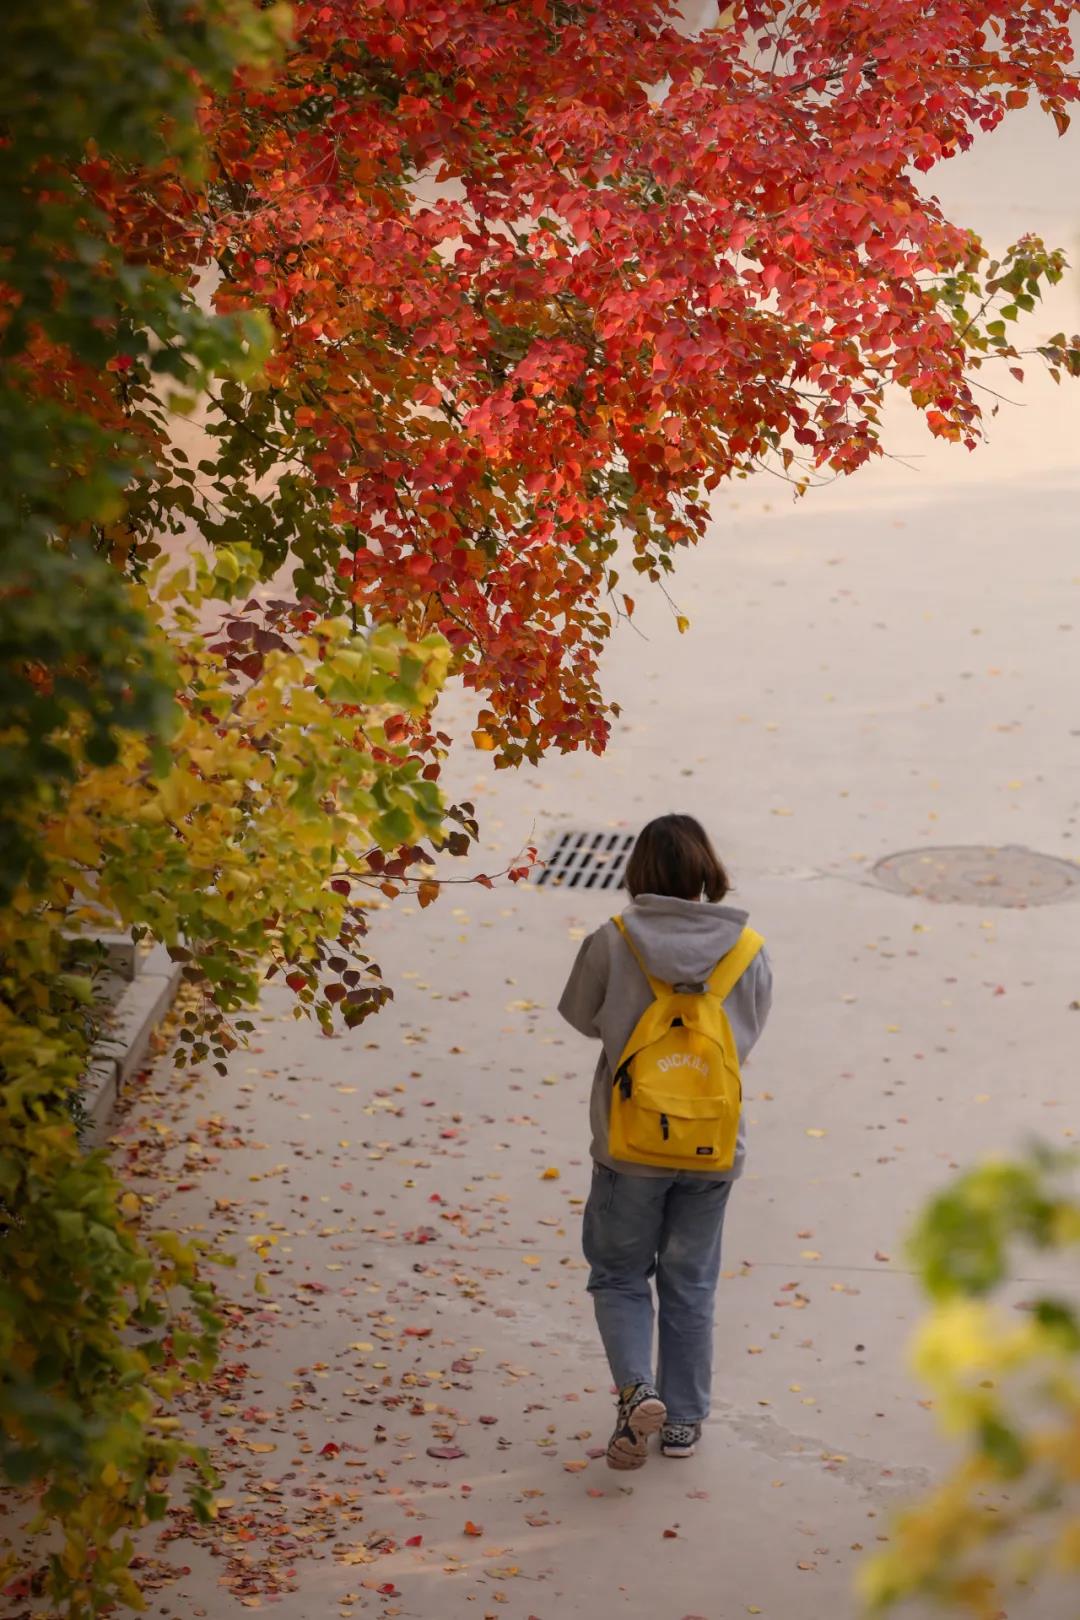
{"points": [[586, 860], [978, 875]]}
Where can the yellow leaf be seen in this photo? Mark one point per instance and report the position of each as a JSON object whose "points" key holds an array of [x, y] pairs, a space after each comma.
{"points": [[484, 741], [356, 1555], [813, 1131], [551, 1174], [530, 1259], [683, 623]]}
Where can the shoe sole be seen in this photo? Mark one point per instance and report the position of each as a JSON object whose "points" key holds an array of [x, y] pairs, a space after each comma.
{"points": [[624, 1454], [671, 1449]]}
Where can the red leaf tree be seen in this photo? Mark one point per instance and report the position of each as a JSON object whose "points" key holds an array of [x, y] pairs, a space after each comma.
{"points": [[543, 275]]}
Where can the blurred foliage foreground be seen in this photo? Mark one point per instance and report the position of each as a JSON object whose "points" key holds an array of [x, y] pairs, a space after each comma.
{"points": [[1006, 1383]]}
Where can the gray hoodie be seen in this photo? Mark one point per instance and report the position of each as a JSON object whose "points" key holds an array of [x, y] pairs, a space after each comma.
{"points": [[606, 994]]}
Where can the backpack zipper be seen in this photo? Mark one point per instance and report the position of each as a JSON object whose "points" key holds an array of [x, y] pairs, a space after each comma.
{"points": [[665, 1126]]}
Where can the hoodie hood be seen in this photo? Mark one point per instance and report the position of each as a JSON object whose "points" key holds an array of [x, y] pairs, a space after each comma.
{"points": [[681, 941]]}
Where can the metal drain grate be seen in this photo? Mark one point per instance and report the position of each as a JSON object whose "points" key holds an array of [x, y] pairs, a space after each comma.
{"points": [[586, 860], [980, 876]]}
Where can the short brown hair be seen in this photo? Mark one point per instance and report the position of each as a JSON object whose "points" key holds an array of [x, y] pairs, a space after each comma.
{"points": [[673, 856]]}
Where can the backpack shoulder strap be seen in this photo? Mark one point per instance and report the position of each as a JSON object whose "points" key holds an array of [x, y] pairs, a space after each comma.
{"points": [[730, 969], [657, 986]]}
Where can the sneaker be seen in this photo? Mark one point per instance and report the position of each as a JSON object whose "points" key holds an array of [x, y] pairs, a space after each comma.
{"points": [[679, 1439], [641, 1413]]}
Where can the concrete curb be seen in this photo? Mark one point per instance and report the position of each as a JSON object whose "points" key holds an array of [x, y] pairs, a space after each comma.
{"points": [[118, 1054]]}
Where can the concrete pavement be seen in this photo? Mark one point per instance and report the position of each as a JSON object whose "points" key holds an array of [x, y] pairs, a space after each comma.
{"points": [[855, 685], [892, 663]]}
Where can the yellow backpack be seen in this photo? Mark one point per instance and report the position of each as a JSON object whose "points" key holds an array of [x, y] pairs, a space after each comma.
{"points": [[678, 1091]]}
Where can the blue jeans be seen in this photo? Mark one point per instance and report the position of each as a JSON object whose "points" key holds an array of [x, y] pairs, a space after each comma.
{"points": [[638, 1227]]}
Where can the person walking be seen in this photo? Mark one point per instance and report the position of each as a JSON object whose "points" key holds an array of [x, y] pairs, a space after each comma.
{"points": [[677, 990]]}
